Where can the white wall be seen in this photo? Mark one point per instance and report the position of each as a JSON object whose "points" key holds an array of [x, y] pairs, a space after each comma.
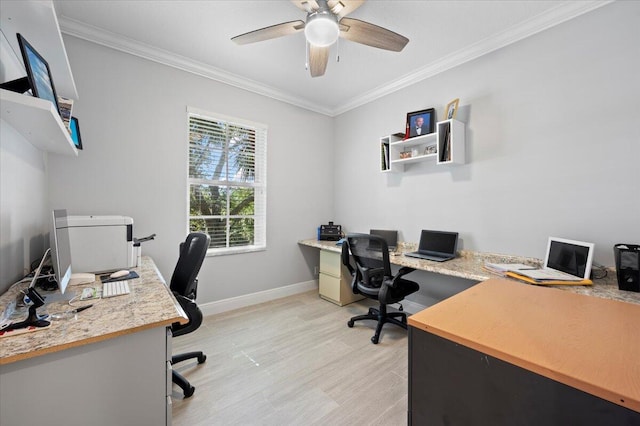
{"points": [[132, 114], [24, 221], [24, 224], [553, 147]]}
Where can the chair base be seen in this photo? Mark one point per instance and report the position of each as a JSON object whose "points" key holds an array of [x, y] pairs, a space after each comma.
{"points": [[382, 317], [178, 379]]}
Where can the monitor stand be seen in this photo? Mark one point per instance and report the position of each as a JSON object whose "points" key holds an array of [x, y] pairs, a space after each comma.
{"points": [[19, 85], [32, 320]]}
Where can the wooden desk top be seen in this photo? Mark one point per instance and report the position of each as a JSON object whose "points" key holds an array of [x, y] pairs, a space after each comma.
{"points": [[589, 343], [150, 304]]}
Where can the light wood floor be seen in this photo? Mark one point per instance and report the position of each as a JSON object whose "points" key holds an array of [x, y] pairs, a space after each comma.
{"points": [[293, 361]]}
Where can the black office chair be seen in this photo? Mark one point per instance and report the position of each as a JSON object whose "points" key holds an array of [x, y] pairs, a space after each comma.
{"points": [[184, 285], [372, 278]]}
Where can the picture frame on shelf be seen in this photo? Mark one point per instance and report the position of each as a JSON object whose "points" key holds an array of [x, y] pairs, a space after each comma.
{"points": [[452, 109], [420, 123], [74, 128], [66, 108], [430, 149]]}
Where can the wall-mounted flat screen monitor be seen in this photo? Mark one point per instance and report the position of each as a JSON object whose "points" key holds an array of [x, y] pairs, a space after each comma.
{"points": [[38, 73]]}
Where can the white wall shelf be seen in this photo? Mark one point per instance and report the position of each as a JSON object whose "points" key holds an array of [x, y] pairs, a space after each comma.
{"points": [[445, 145], [37, 121]]}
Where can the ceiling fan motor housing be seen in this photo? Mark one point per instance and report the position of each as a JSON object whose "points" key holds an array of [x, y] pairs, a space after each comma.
{"points": [[322, 28]]}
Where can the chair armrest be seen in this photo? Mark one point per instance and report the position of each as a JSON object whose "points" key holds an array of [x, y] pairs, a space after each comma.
{"points": [[346, 258], [392, 281], [193, 313]]}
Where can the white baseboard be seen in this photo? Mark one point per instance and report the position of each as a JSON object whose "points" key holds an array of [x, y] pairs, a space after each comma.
{"points": [[238, 302]]}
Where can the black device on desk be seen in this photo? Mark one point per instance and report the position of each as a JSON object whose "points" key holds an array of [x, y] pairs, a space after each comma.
{"points": [[627, 258], [391, 237], [330, 232], [436, 245]]}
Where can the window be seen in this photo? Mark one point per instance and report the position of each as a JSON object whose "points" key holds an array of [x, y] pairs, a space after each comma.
{"points": [[227, 181]]}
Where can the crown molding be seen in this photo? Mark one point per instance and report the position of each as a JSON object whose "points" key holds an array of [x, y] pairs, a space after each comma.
{"points": [[546, 20], [117, 42]]}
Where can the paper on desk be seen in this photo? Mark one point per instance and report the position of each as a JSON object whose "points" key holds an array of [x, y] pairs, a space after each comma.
{"points": [[506, 267]]}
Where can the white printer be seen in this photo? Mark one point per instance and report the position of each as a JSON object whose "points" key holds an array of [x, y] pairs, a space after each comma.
{"points": [[101, 243]]}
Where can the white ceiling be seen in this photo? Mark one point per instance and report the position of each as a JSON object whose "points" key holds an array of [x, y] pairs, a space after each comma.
{"points": [[195, 36]]}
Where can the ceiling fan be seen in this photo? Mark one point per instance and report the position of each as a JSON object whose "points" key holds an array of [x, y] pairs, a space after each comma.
{"points": [[326, 21]]}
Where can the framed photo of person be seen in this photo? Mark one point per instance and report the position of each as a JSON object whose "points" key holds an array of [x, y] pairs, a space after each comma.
{"points": [[452, 109], [420, 123]]}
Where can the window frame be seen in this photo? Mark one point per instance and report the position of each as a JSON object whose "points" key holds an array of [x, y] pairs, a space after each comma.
{"points": [[259, 184]]}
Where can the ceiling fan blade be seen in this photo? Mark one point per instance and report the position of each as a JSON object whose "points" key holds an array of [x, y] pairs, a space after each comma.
{"points": [[371, 35], [268, 33], [318, 58], [342, 8], [306, 5]]}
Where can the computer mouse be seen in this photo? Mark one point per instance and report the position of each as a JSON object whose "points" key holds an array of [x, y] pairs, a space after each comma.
{"points": [[119, 274]]}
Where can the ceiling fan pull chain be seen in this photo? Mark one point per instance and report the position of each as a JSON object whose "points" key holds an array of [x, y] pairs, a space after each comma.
{"points": [[306, 62], [338, 50]]}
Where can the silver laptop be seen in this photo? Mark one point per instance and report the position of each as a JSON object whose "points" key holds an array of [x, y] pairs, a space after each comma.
{"points": [[566, 260], [436, 245], [391, 237]]}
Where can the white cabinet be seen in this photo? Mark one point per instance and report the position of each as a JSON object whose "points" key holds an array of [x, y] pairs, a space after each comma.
{"points": [[36, 119], [446, 145], [335, 280]]}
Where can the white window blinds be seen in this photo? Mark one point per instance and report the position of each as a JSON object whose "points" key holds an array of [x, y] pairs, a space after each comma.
{"points": [[227, 181]]}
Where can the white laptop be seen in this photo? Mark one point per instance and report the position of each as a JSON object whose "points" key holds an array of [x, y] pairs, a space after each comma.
{"points": [[566, 260]]}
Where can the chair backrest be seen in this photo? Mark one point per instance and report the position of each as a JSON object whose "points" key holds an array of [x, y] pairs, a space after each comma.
{"points": [[193, 250], [372, 264]]}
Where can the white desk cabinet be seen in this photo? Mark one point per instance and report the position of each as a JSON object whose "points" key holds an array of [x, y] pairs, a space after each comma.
{"points": [[108, 365], [335, 280]]}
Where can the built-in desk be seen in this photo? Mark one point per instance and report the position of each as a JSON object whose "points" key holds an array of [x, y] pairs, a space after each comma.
{"points": [[503, 353], [469, 265], [109, 365]]}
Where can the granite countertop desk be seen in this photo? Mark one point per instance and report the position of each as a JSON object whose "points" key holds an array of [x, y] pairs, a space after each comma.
{"points": [[150, 304], [469, 265]]}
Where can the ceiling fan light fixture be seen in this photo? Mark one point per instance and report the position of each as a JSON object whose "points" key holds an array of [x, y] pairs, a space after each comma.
{"points": [[322, 29]]}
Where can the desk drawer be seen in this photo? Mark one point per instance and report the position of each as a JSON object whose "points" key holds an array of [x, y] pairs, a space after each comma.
{"points": [[330, 263], [329, 287], [337, 290]]}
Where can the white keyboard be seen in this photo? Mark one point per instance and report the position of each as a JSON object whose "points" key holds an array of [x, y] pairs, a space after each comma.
{"points": [[115, 288]]}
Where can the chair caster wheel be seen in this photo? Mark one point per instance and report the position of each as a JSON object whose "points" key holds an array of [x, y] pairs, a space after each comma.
{"points": [[350, 324], [375, 339], [202, 359], [189, 392]]}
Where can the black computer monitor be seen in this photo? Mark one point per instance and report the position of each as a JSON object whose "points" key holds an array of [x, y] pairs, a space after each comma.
{"points": [[38, 73], [390, 236]]}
